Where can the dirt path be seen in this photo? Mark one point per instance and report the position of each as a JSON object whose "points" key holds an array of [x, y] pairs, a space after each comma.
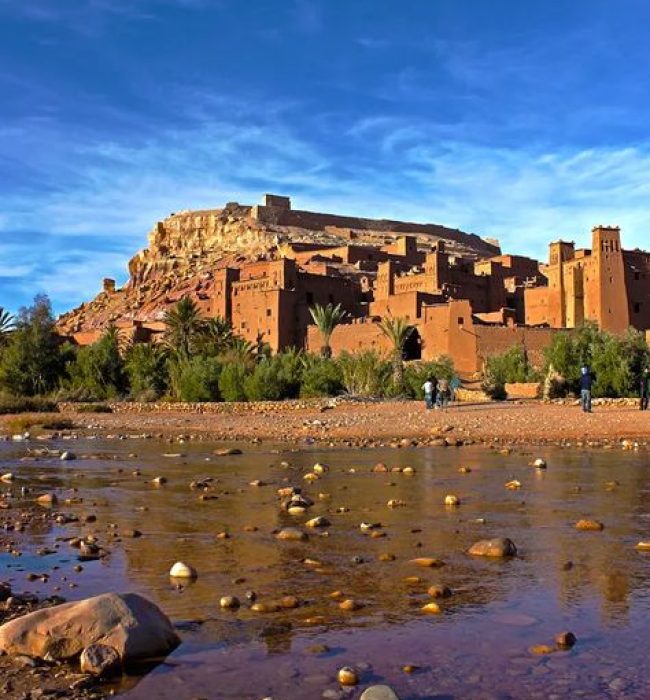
{"points": [[386, 422]]}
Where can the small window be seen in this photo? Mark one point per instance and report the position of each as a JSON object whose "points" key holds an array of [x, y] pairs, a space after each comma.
{"points": [[461, 321], [268, 312], [637, 307]]}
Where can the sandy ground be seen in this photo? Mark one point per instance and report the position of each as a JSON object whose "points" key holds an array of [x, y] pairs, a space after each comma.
{"points": [[370, 423]]}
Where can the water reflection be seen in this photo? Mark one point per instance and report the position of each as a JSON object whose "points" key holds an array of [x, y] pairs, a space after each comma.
{"points": [[593, 583]]}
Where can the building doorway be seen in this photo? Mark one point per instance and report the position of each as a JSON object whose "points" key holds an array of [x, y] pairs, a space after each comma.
{"points": [[413, 346]]}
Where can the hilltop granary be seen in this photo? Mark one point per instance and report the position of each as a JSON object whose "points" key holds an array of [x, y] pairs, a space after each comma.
{"points": [[262, 268]]}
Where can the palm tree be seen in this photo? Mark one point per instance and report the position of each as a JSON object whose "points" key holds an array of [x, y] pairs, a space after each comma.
{"points": [[397, 330], [327, 318], [6, 324], [184, 324], [215, 336]]}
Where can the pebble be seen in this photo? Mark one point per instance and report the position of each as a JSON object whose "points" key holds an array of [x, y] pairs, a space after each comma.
{"points": [[451, 500], [565, 640], [589, 525], [182, 570], [229, 602], [497, 547], [431, 608], [292, 534], [347, 676]]}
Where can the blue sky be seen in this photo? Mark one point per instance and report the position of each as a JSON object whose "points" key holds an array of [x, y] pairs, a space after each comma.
{"points": [[524, 121]]}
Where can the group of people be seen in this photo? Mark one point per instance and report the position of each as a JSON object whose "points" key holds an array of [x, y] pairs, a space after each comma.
{"points": [[439, 392], [587, 379]]}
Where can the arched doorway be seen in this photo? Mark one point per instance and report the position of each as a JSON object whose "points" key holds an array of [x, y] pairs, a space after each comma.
{"points": [[413, 346]]}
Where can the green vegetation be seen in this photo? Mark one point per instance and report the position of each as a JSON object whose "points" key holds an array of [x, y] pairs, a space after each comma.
{"points": [[510, 367], [616, 362], [198, 360], [397, 330]]}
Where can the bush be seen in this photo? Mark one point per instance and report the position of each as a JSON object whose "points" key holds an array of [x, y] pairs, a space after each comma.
{"points": [[320, 377], [197, 379], [616, 361], [25, 404], [147, 372], [32, 362], [93, 408], [98, 369], [231, 382], [266, 382], [365, 373]]}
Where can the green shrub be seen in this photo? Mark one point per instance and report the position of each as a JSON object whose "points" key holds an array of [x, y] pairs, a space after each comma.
{"points": [[320, 377], [231, 382], [364, 374], [32, 361], [615, 361], [197, 379], [93, 408], [147, 371], [99, 369], [266, 382], [25, 404]]}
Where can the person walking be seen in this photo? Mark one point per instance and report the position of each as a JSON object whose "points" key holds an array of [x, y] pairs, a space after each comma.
{"points": [[644, 389], [429, 388], [586, 383], [443, 393], [454, 385]]}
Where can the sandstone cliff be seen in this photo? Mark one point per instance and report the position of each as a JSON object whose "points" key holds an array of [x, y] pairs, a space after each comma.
{"points": [[185, 249]]}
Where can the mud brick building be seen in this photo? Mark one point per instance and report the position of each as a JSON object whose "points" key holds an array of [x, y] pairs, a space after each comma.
{"points": [[262, 267]]}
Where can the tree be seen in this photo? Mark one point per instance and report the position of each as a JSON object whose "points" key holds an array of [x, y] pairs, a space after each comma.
{"points": [[185, 325], [146, 369], [99, 368], [327, 318], [32, 362], [215, 336], [6, 325], [397, 330]]}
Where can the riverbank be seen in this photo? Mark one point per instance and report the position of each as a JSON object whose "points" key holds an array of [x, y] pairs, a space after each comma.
{"points": [[357, 423]]}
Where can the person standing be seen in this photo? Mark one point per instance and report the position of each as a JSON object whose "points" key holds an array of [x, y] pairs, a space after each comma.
{"points": [[454, 385], [586, 384], [644, 389], [443, 393], [429, 388]]}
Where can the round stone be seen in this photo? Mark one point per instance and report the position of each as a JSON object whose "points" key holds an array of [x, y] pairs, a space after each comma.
{"points": [[379, 692], [182, 570], [229, 602], [347, 676]]}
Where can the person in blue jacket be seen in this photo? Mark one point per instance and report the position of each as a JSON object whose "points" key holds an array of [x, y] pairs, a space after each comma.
{"points": [[586, 383], [644, 389]]}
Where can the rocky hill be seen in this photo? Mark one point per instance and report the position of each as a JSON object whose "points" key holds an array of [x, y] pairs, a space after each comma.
{"points": [[187, 247]]}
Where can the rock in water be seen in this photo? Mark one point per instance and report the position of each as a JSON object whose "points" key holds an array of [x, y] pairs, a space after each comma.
{"points": [[182, 570], [131, 624], [589, 525], [497, 547], [379, 692], [100, 660], [68, 456]]}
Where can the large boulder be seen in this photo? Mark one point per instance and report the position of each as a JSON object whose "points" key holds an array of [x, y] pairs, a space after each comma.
{"points": [[379, 692], [129, 623], [496, 547]]}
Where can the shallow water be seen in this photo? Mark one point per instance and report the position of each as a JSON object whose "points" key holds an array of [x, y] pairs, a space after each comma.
{"points": [[477, 648]]}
